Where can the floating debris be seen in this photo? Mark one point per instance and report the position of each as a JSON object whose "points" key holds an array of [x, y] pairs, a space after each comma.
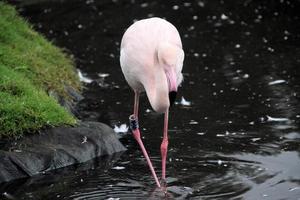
{"points": [[123, 128], [83, 78], [276, 82], [220, 162], [224, 17], [84, 140], [193, 122], [185, 102], [8, 196], [147, 110], [175, 7], [201, 4], [255, 139], [273, 119], [118, 167], [246, 76], [103, 75], [201, 133]]}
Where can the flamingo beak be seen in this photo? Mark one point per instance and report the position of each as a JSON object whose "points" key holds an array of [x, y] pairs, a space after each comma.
{"points": [[172, 97]]}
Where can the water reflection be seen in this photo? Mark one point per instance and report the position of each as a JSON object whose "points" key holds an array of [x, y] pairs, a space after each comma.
{"points": [[234, 132]]}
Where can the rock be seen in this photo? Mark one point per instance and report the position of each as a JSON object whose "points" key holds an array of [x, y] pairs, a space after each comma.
{"points": [[55, 148]]}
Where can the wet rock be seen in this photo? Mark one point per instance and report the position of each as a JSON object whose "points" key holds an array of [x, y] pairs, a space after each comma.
{"points": [[55, 148], [69, 103]]}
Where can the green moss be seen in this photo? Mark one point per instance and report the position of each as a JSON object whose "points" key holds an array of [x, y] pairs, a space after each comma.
{"points": [[29, 67]]}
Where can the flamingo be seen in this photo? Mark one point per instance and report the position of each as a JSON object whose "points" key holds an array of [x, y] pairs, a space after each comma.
{"points": [[151, 59]]}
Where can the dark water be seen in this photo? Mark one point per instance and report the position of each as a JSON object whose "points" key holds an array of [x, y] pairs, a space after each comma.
{"points": [[238, 139]]}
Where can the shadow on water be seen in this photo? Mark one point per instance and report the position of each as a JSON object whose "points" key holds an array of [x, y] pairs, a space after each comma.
{"points": [[235, 135]]}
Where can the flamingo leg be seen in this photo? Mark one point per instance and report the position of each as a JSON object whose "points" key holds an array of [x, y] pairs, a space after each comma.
{"points": [[164, 146], [137, 135]]}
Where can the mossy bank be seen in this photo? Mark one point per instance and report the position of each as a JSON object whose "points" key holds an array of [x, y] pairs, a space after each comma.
{"points": [[31, 68]]}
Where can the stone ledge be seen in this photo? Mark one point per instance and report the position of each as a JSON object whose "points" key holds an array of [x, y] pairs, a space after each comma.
{"points": [[56, 148]]}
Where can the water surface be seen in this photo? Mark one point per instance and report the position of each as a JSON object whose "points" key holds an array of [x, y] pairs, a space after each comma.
{"points": [[236, 136]]}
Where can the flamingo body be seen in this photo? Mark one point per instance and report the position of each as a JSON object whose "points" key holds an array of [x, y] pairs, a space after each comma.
{"points": [[151, 60], [149, 48]]}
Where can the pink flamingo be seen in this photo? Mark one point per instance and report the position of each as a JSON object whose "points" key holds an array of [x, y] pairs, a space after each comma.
{"points": [[151, 60]]}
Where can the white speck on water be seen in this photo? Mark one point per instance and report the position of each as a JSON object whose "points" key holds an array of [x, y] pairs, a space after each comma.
{"points": [[251, 123], [81, 180], [79, 26], [118, 167], [175, 7], [66, 33], [286, 32], [201, 4], [84, 140], [195, 17], [220, 162], [285, 37], [246, 76], [265, 195], [201, 133], [196, 55], [191, 28], [204, 55], [148, 110], [276, 82], [274, 119], [123, 128], [224, 17], [255, 139], [237, 46], [264, 40], [184, 102], [144, 5], [83, 78], [17, 150], [89, 1], [7, 195], [226, 133], [111, 198], [187, 4], [271, 49], [193, 122], [103, 75], [220, 135]]}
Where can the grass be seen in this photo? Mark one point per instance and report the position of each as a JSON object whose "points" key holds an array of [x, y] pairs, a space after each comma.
{"points": [[30, 66]]}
